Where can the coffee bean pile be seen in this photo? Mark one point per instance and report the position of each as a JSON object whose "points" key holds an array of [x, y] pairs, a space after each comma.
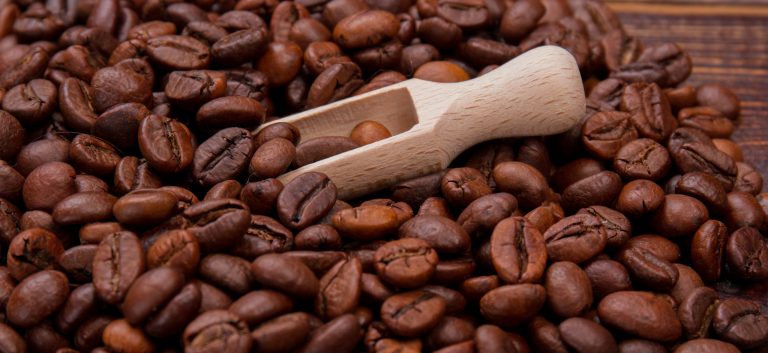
{"points": [[140, 210]]}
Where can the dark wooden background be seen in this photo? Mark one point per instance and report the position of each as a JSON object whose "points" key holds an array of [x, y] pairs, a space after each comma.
{"points": [[728, 41]]}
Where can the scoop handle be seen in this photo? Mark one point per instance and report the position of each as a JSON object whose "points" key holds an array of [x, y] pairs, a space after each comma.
{"points": [[537, 93]]}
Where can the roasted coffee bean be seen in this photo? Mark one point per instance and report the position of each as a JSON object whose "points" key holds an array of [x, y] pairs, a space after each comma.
{"points": [[31, 251], [406, 263], [217, 329], [93, 155], [261, 196], [80, 305], [119, 335], [339, 292], [226, 271], [212, 298], [523, 181], [745, 253], [272, 158], [190, 89], [223, 156], [617, 227], [278, 130], [706, 189], [11, 182], [642, 159], [483, 214], [149, 292], [173, 52], [230, 111], [673, 60], [708, 248], [599, 189], [650, 109], [520, 18], [647, 269], [660, 246], [32, 103], [175, 248], [84, 207], [217, 224], [259, 306], [368, 132], [118, 261], [442, 234], [607, 276], [441, 71], [517, 251], [643, 314], [707, 119], [696, 312], [719, 97], [120, 125], [283, 333], [29, 66], [264, 235], [740, 322], [412, 314], [305, 199], [281, 62], [182, 308], [492, 339], [132, 173], [706, 345], [461, 186], [166, 144], [336, 82], [286, 274], [679, 216], [576, 238], [700, 156], [583, 335], [604, 133], [747, 179], [36, 297], [77, 262], [319, 148], [75, 102], [569, 292], [512, 304], [743, 210]]}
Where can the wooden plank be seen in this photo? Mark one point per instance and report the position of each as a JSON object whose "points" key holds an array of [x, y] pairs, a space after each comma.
{"points": [[728, 44]]}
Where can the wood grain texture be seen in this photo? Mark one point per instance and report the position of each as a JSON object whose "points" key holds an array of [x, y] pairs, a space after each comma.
{"points": [[728, 42], [513, 100]]}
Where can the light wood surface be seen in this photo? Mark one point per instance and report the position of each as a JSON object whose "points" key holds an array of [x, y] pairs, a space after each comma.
{"points": [[537, 93]]}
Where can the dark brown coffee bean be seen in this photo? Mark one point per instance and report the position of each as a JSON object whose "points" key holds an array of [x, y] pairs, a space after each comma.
{"points": [[642, 159], [748, 179], [176, 248], [32, 103], [286, 274], [272, 158], [336, 82], [37, 297], [217, 329], [569, 292], [461, 186], [305, 199], [181, 309], [523, 181], [707, 119], [226, 271], [119, 335], [746, 254], [261, 196], [227, 189], [513, 304], [607, 276], [120, 124], [706, 188], [366, 222], [442, 234], [281, 62], [617, 227], [441, 71], [93, 155], [340, 334], [412, 314], [483, 214], [647, 269], [212, 298], [191, 89], [129, 81], [40, 152], [264, 235], [651, 113], [415, 191], [438, 32], [708, 248], [278, 130], [576, 238], [11, 182], [406, 263], [599, 189], [368, 132], [696, 312], [321, 261], [719, 97], [94, 233], [604, 133], [149, 292], [679, 216], [118, 261], [584, 335], [31, 251], [84, 207], [284, 333], [743, 210], [230, 111], [259, 306], [77, 262], [367, 28], [319, 148], [339, 289], [166, 144], [671, 58], [30, 66], [222, 156], [608, 92], [132, 174], [643, 314], [639, 197], [740, 322], [698, 156], [218, 224], [706, 345], [80, 305], [517, 251], [174, 52], [520, 18]]}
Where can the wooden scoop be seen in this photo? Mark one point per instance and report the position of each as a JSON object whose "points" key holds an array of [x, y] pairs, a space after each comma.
{"points": [[538, 93]]}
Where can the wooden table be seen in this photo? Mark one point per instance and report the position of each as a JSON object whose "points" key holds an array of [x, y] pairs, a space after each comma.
{"points": [[728, 41]]}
